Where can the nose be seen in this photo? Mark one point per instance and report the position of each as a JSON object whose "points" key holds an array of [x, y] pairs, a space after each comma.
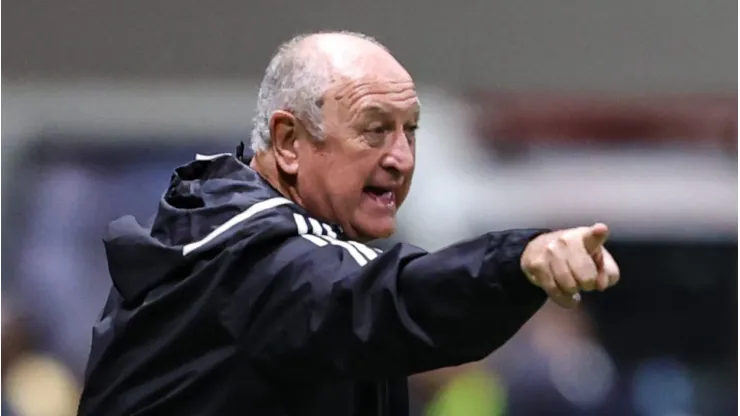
{"points": [[400, 158]]}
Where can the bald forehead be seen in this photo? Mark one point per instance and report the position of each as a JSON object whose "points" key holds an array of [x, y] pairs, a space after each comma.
{"points": [[341, 45], [351, 57]]}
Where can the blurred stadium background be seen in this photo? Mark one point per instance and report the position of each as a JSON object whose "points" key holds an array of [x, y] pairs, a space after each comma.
{"points": [[536, 113]]}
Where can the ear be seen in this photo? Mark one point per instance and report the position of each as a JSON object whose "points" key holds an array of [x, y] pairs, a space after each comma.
{"points": [[284, 128]]}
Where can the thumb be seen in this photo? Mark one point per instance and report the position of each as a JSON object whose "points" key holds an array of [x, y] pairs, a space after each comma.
{"points": [[595, 237]]}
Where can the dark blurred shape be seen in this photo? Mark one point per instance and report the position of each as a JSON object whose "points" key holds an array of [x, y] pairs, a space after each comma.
{"points": [[519, 119], [678, 297], [15, 340], [671, 324], [69, 190]]}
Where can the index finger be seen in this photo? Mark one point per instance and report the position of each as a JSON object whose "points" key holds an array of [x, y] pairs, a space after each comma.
{"points": [[595, 237]]}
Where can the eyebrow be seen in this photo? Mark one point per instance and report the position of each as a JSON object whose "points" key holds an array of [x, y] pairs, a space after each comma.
{"points": [[373, 109]]}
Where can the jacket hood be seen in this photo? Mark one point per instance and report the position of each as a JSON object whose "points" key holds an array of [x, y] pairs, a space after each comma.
{"points": [[207, 191]]}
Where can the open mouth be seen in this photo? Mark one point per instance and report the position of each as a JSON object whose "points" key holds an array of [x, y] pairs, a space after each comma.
{"points": [[381, 194]]}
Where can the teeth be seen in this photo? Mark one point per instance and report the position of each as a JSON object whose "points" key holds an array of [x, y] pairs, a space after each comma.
{"points": [[386, 197], [389, 198]]}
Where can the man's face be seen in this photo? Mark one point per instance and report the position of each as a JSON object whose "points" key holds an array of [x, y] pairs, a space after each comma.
{"points": [[360, 174]]}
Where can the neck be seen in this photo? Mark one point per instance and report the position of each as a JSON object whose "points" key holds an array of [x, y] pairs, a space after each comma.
{"points": [[264, 164]]}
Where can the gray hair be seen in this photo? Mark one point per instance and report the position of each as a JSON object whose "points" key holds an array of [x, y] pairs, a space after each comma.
{"points": [[295, 80]]}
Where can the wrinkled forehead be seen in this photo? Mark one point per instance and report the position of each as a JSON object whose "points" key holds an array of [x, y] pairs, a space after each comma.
{"points": [[375, 94], [366, 75]]}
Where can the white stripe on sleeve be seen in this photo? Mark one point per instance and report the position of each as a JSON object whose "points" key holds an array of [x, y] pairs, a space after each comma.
{"points": [[367, 251], [360, 252], [315, 239], [300, 222], [349, 247], [329, 231], [315, 226]]}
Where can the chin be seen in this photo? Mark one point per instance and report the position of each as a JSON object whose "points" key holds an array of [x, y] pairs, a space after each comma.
{"points": [[374, 230]]}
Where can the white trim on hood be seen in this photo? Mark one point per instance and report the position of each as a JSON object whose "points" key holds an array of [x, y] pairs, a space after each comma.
{"points": [[242, 216]]}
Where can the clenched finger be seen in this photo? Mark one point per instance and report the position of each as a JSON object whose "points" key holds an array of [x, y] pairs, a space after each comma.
{"points": [[561, 273], [582, 267], [602, 281], [611, 269], [547, 284], [545, 281]]}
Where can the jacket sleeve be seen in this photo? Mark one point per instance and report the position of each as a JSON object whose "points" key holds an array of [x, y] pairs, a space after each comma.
{"points": [[328, 313]]}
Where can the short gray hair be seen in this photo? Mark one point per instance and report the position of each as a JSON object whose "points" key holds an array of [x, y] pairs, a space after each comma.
{"points": [[295, 80]]}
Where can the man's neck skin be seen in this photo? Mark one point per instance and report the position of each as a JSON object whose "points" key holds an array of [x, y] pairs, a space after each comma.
{"points": [[264, 164]]}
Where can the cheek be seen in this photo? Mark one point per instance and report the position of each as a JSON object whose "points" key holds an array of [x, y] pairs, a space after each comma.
{"points": [[353, 171], [343, 181], [404, 192], [348, 184], [406, 187]]}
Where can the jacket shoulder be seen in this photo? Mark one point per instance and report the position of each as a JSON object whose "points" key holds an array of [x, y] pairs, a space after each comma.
{"points": [[265, 219]]}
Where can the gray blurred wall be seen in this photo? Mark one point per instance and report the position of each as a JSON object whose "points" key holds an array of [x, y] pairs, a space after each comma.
{"points": [[625, 45], [84, 69]]}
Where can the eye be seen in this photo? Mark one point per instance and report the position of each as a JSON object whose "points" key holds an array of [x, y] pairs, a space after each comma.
{"points": [[379, 129], [375, 134], [411, 128], [411, 132]]}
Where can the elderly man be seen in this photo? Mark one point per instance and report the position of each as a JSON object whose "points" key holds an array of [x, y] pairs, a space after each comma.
{"points": [[255, 293]]}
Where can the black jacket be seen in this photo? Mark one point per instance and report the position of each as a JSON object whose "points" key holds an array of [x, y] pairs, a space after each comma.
{"points": [[239, 302]]}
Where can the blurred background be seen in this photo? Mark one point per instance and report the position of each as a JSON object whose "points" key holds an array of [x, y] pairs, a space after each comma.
{"points": [[536, 113]]}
